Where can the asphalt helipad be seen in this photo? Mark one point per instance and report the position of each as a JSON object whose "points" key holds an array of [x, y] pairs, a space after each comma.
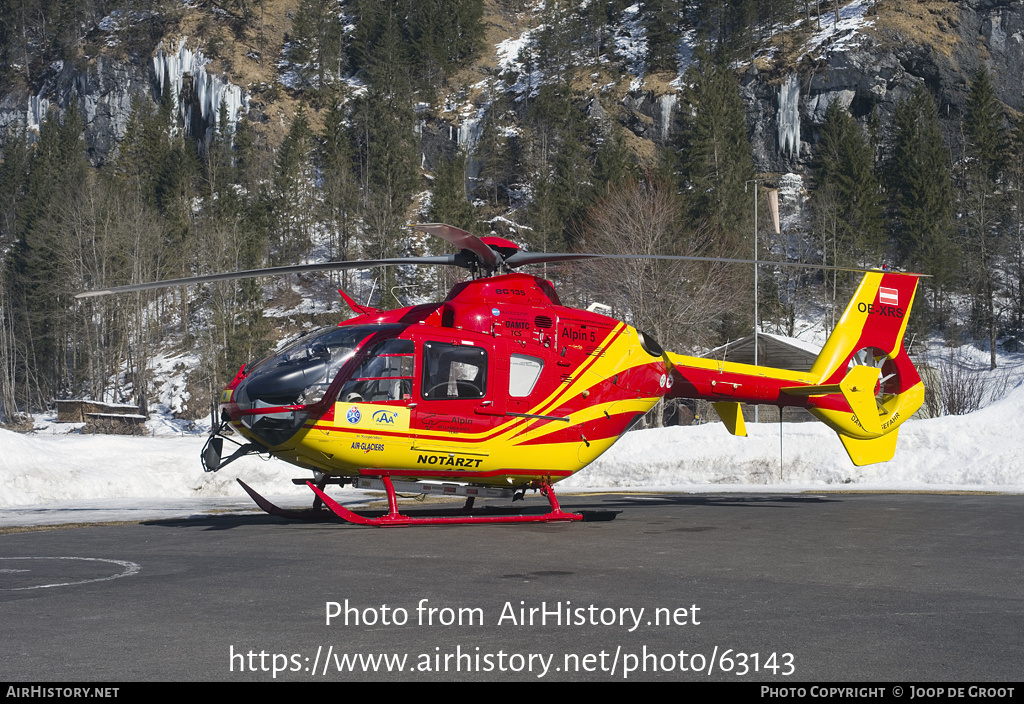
{"points": [[781, 588]]}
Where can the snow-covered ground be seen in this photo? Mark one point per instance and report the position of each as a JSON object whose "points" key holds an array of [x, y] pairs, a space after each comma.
{"points": [[833, 36], [48, 478], [979, 451]]}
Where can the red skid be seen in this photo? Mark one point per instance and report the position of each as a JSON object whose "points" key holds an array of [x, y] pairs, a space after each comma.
{"points": [[394, 518], [309, 514]]}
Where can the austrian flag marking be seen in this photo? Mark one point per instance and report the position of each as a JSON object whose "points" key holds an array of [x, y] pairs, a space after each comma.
{"points": [[888, 296]]}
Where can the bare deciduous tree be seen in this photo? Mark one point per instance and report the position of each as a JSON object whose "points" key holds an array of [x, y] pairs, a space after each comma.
{"points": [[680, 303]]}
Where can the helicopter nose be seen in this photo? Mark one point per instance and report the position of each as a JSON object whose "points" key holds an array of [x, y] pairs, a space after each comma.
{"points": [[279, 383], [273, 385]]}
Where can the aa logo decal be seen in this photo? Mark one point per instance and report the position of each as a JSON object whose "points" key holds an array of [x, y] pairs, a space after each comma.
{"points": [[374, 417], [385, 419]]}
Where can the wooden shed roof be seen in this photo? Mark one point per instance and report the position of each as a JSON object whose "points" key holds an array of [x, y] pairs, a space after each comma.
{"points": [[772, 351]]}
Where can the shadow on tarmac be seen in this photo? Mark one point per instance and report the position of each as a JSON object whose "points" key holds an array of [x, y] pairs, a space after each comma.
{"points": [[594, 509]]}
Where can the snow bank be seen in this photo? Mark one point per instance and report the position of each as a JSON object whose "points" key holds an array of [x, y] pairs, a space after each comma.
{"points": [[41, 469], [83, 474], [978, 451]]}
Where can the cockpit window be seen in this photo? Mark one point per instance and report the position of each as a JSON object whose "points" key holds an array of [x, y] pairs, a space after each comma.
{"points": [[453, 371], [385, 375]]}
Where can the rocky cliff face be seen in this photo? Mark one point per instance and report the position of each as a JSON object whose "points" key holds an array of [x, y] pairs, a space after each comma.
{"points": [[867, 62], [103, 90], [874, 63]]}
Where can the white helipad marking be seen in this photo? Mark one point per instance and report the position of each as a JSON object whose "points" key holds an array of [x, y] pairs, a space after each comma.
{"points": [[130, 568]]}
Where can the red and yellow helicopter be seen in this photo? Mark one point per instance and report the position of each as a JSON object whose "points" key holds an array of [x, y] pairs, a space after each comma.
{"points": [[500, 388]]}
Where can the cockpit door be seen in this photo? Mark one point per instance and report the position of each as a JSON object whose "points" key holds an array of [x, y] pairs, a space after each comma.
{"points": [[455, 391]]}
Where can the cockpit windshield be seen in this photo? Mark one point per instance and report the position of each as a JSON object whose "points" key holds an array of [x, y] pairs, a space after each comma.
{"points": [[299, 375]]}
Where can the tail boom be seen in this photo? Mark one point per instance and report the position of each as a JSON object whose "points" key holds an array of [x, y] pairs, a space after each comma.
{"points": [[862, 385]]}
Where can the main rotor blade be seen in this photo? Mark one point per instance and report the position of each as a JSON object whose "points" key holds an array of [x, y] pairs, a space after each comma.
{"points": [[273, 271], [524, 258], [463, 240]]}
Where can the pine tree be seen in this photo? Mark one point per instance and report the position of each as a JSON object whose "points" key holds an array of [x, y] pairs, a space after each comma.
{"points": [[385, 144], [1015, 233], [561, 179], [597, 20], [985, 156], [660, 20], [251, 156], [614, 165], [444, 35], [177, 177], [219, 166], [317, 48], [231, 242], [844, 166], [984, 131], [495, 149], [294, 191], [921, 197], [13, 182], [449, 204], [774, 13], [38, 279], [341, 187], [727, 25], [383, 118], [13, 178], [552, 48], [436, 36], [144, 147], [714, 157]]}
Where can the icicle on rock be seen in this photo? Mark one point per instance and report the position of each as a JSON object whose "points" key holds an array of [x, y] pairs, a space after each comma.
{"points": [[36, 113], [208, 91], [789, 116], [667, 103]]}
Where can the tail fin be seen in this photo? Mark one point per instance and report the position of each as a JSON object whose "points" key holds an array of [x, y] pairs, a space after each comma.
{"points": [[866, 385], [862, 384]]}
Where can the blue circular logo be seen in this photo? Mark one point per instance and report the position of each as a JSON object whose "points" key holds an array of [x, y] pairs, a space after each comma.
{"points": [[495, 311], [353, 415]]}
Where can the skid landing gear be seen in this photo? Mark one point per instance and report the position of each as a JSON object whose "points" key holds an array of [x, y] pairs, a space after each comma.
{"points": [[394, 518], [316, 513]]}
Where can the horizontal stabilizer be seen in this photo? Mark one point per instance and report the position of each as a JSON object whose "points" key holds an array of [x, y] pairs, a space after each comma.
{"points": [[858, 389]]}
